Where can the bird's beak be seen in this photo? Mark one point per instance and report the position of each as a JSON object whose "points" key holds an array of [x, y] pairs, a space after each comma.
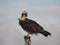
{"points": [[19, 19]]}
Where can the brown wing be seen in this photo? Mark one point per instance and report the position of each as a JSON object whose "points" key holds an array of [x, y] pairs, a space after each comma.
{"points": [[35, 26]]}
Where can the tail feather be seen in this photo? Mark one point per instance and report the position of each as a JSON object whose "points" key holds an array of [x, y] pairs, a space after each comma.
{"points": [[46, 33]]}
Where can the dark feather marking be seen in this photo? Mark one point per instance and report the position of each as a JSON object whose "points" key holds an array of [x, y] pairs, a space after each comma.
{"points": [[33, 27]]}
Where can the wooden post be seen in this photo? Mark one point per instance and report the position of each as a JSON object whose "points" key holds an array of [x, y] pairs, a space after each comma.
{"points": [[27, 40]]}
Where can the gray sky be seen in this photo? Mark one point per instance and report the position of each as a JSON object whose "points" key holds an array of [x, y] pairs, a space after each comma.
{"points": [[44, 12]]}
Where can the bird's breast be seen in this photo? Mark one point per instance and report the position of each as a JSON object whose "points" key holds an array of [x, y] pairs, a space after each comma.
{"points": [[23, 24]]}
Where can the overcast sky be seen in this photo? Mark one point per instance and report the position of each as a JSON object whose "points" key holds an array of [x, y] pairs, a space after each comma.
{"points": [[44, 12]]}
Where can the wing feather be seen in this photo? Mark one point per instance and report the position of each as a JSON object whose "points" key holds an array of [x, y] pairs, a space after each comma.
{"points": [[35, 26]]}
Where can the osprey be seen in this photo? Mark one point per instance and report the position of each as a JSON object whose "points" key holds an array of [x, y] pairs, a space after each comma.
{"points": [[30, 26]]}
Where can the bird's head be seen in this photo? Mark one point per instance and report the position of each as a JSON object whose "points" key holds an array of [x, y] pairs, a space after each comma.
{"points": [[24, 15]]}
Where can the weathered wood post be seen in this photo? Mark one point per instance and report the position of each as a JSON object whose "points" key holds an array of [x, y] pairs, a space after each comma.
{"points": [[27, 40]]}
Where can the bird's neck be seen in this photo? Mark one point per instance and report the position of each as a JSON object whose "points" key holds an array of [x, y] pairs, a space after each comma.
{"points": [[23, 18]]}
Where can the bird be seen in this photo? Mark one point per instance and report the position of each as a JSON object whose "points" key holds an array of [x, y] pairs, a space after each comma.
{"points": [[31, 26]]}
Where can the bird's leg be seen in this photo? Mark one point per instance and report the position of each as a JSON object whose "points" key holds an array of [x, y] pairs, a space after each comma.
{"points": [[27, 34]]}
